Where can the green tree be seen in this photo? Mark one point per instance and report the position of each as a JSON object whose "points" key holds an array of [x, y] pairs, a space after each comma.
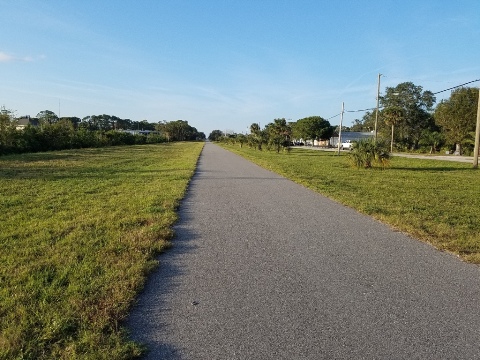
{"points": [[432, 139], [241, 139], [104, 122], [416, 105], [7, 130], [365, 124], [215, 135], [392, 115], [457, 116], [178, 130], [58, 136], [257, 136], [73, 119], [278, 134], [312, 128], [47, 117], [142, 125]]}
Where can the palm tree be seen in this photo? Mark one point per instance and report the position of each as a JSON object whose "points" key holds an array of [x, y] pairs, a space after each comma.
{"points": [[257, 135], [279, 133], [393, 115]]}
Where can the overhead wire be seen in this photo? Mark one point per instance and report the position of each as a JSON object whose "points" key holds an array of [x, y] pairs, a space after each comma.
{"points": [[381, 107], [438, 92]]}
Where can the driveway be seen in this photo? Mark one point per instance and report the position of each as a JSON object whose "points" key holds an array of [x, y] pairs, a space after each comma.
{"points": [[263, 268], [465, 159]]}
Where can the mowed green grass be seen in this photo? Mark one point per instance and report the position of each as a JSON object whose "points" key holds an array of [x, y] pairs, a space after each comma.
{"points": [[435, 201], [79, 231]]}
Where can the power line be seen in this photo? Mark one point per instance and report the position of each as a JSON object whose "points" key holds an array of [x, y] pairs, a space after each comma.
{"points": [[360, 110], [381, 107], [438, 92], [334, 116]]}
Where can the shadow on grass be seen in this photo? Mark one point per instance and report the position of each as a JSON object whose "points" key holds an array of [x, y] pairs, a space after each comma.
{"points": [[433, 168]]}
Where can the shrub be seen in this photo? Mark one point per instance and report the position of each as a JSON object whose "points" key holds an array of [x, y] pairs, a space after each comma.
{"points": [[366, 152]]}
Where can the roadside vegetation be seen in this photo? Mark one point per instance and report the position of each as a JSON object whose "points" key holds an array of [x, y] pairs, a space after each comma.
{"points": [[434, 201], [48, 132], [80, 229], [407, 120]]}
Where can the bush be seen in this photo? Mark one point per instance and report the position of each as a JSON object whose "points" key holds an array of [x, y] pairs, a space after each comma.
{"points": [[366, 152], [155, 139], [116, 138]]}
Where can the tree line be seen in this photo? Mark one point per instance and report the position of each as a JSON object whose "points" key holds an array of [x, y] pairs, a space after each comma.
{"points": [[409, 121], [279, 134], [49, 132]]}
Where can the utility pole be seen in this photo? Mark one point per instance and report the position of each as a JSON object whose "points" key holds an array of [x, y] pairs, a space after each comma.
{"points": [[340, 130], [378, 104], [477, 136]]}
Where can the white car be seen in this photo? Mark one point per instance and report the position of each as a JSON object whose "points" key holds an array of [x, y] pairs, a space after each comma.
{"points": [[346, 145]]}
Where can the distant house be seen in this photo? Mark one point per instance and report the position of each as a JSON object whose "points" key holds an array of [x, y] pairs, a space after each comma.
{"points": [[24, 121], [140, 132], [350, 135]]}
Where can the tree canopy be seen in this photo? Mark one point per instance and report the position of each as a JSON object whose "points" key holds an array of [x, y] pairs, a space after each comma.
{"points": [[457, 115], [312, 127], [179, 130], [278, 133], [416, 105], [215, 135], [47, 117]]}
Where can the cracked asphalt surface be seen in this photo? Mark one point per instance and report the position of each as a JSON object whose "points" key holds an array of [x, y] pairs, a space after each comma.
{"points": [[263, 268]]}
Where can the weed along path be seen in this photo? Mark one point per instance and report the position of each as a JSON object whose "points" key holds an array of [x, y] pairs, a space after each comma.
{"points": [[263, 268]]}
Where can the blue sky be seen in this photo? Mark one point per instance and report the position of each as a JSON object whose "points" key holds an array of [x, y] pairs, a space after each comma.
{"points": [[225, 64]]}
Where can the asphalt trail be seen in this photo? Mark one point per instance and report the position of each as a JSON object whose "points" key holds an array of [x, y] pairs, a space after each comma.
{"points": [[263, 268]]}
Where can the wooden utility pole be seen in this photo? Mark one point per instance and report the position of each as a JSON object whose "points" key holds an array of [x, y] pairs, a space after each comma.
{"points": [[477, 135], [340, 130], [378, 104]]}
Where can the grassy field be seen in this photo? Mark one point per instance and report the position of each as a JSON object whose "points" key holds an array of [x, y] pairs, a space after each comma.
{"points": [[79, 230], [435, 201]]}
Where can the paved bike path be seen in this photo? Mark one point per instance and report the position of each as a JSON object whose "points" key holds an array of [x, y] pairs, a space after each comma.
{"points": [[263, 268]]}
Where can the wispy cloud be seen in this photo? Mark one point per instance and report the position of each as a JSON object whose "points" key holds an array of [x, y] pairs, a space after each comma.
{"points": [[4, 58]]}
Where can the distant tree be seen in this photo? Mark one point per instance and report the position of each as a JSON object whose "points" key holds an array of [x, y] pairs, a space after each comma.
{"points": [[94, 122], [457, 116], [178, 130], [365, 124], [7, 118], [142, 125], [125, 124], [215, 135], [47, 117], [312, 128], [392, 116], [7, 129], [432, 139], [241, 139], [73, 119], [201, 135], [257, 136], [279, 133], [416, 105], [58, 136]]}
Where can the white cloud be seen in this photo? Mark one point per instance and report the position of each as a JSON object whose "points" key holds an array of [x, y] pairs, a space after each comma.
{"points": [[5, 57]]}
